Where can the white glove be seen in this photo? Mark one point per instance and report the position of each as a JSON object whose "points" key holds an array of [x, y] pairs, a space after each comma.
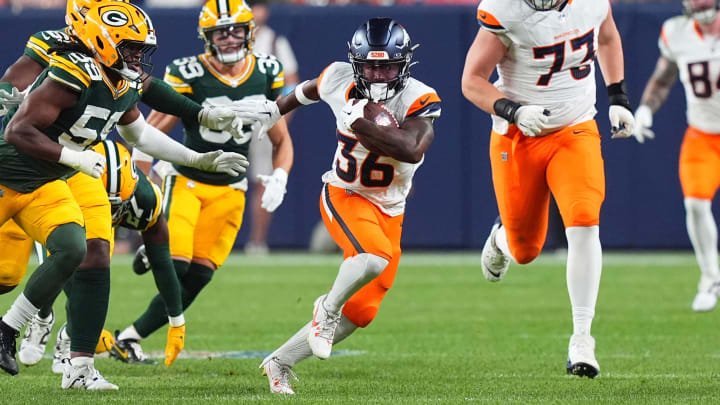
{"points": [[621, 122], [10, 99], [274, 189], [352, 112], [265, 112], [531, 119], [220, 161], [643, 123], [87, 161], [222, 119]]}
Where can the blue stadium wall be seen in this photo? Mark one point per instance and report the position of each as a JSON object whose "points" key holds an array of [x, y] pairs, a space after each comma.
{"points": [[452, 204]]}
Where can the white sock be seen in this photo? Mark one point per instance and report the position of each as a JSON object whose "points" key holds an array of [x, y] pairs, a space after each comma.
{"points": [[297, 349], [355, 272], [502, 243], [63, 333], [584, 267], [129, 333], [20, 312], [703, 234], [81, 361]]}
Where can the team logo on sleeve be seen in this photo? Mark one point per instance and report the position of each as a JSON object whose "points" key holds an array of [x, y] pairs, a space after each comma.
{"points": [[115, 18]]}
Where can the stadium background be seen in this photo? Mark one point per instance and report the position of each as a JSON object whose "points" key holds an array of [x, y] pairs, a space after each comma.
{"points": [[452, 204]]}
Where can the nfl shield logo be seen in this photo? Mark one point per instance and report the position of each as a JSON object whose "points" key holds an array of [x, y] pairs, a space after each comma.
{"points": [[504, 156]]}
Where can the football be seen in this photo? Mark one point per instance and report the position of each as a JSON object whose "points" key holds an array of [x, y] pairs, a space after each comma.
{"points": [[380, 115]]}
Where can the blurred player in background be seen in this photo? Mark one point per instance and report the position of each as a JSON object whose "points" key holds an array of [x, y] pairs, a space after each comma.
{"points": [[545, 139], [261, 149], [689, 48], [205, 210], [363, 199]]}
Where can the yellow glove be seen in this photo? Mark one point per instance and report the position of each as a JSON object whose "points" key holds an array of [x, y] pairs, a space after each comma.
{"points": [[175, 343], [105, 343]]}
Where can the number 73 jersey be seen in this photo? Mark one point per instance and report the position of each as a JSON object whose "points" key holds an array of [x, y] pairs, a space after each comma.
{"points": [[550, 56], [698, 59], [382, 180]]}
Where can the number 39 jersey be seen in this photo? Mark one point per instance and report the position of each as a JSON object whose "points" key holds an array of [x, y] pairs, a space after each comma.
{"points": [[383, 180], [99, 106], [550, 56], [262, 77], [698, 60]]}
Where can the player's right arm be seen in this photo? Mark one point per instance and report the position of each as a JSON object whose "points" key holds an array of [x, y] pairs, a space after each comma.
{"points": [[486, 51], [660, 83], [22, 73]]}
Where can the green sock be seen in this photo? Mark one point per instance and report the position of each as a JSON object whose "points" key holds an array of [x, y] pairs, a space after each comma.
{"points": [[67, 247], [156, 314], [166, 279], [88, 307]]}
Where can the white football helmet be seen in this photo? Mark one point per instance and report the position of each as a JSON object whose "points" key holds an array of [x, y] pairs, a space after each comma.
{"points": [[703, 12], [544, 5]]}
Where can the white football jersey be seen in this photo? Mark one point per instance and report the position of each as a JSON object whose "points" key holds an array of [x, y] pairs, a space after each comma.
{"points": [[383, 180], [550, 58], [698, 59]]}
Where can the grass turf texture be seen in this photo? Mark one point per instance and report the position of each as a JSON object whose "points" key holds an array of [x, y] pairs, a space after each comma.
{"points": [[443, 335]]}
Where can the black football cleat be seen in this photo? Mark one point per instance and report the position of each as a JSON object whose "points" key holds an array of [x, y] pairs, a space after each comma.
{"points": [[141, 263], [8, 349]]}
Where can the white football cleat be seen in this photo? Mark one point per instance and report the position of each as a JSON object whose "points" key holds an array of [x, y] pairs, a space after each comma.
{"points": [[706, 298], [493, 262], [322, 329], [32, 345], [278, 376], [581, 357], [61, 352], [85, 376]]}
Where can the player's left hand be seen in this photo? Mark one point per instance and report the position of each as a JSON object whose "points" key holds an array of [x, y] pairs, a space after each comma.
{"points": [[222, 162], [274, 189], [353, 110], [220, 119], [10, 98], [264, 111], [175, 343], [621, 122]]}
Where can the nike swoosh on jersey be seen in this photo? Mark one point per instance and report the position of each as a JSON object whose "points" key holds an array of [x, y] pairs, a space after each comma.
{"points": [[425, 100]]}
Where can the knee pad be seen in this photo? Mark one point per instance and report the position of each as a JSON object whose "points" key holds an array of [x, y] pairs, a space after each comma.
{"points": [[525, 254], [584, 213], [67, 244]]}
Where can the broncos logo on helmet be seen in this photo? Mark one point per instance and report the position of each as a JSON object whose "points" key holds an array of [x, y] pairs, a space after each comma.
{"points": [[380, 53], [120, 176], [701, 11], [120, 36], [224, 19]]}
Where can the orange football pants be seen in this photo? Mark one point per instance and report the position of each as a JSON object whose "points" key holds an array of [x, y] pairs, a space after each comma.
{"points": [[358, 226], [526, 170], [700, 164]]}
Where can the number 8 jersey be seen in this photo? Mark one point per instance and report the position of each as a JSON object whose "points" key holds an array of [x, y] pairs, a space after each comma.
{"points": [[383, 180], [550, 56], [698, 61]]}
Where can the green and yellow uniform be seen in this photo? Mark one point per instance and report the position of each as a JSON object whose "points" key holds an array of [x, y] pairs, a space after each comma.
{"points": [[205, 210]]}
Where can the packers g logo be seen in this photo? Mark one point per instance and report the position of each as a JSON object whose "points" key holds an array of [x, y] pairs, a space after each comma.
{"points": [[115, 18]]}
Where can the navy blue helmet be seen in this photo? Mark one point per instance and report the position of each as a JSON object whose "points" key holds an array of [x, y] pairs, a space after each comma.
{"points": [[381, 43]]}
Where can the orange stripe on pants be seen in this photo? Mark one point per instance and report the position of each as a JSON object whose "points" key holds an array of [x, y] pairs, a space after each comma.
{"points": [[358, 226], [525, 170]]}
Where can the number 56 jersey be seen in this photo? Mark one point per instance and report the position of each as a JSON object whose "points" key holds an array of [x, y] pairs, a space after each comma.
{"points": [[698, 61], [550, 56], [382, 180]]}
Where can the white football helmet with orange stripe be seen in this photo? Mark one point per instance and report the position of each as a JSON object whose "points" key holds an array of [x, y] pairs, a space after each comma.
{"points": [[544, 5], [702, 11], [227, 18]]}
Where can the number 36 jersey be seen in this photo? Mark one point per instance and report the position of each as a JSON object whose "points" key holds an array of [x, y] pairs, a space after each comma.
{"points": [[262, 77], [698, 59], [550, 56], [383, 180]]}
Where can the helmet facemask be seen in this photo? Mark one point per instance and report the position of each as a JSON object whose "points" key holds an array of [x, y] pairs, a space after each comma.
{"points": [[544, 5], [134, 61], [380, 80], [704, 15], [237, 34]]}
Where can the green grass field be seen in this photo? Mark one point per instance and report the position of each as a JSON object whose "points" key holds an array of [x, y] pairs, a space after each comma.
{"points": [[444, 335]]}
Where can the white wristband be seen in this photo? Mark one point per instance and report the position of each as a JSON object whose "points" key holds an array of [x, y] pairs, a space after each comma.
{"points": [[300, 96], [176, 321]]}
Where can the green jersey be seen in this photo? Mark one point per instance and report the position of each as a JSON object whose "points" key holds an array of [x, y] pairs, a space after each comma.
{"points": [[99, 107], [196, 78], [39, 44], [142, 210]]}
